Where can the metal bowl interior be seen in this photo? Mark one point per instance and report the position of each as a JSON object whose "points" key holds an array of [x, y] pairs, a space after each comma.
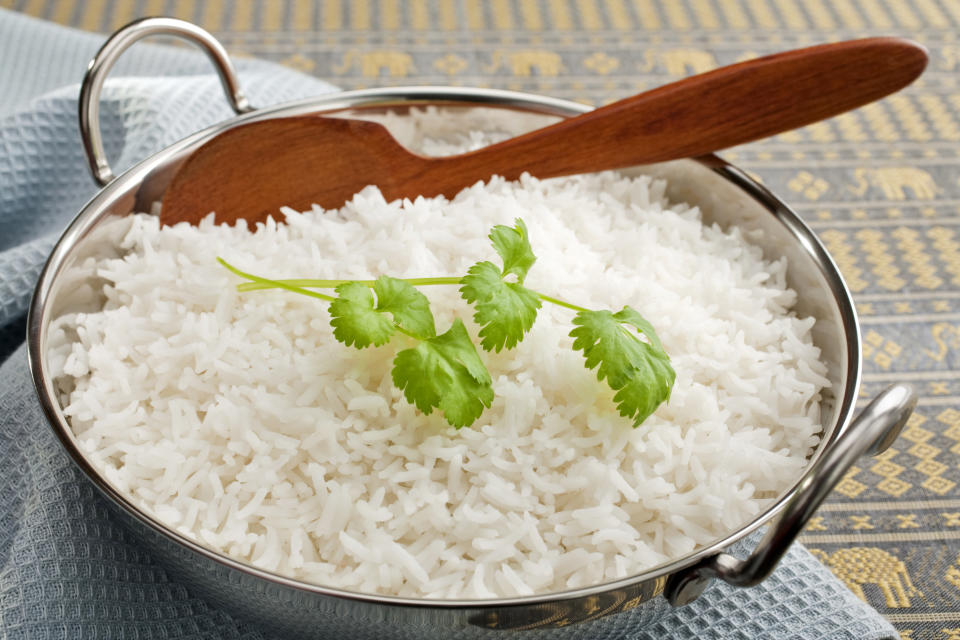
{"points": [[726, 195]]}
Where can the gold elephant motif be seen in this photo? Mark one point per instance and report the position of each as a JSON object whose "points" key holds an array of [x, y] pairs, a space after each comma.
{"points": [[894, 181], [858, 566], [395, 63], [523, 62], [677, 62], [947, 337]]}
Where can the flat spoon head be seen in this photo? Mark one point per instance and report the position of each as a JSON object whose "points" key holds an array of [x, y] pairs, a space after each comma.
{"points": [[250, 171]]}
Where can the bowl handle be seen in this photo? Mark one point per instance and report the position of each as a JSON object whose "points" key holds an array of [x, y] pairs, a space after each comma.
{"points": [[871, 432], [119, 42]]}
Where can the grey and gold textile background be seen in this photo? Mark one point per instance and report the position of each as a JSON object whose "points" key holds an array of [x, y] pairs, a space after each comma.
{"points": [[880, 186]]}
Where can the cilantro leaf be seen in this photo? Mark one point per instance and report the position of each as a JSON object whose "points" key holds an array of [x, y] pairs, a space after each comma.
{"points": [[358, 321], [513, 246], [504, 310], [638, 371], [631, 316], [409, 307], [445, 372], [354, 320]]}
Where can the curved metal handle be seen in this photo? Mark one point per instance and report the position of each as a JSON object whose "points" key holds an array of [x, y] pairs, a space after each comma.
{"points": [[107, 55], [871, 432]]}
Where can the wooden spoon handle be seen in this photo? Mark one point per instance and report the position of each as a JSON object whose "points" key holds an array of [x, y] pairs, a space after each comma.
{"points": [[707, 112]]}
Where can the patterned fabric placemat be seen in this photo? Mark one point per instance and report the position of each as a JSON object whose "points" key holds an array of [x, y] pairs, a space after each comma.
{"points": [[880, 186]]}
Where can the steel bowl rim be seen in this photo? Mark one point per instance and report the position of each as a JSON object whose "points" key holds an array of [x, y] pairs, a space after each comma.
{"points": [[414, 96]]}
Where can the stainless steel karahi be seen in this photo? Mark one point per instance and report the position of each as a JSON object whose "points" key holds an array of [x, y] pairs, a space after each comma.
{"points": [[296, 609]]}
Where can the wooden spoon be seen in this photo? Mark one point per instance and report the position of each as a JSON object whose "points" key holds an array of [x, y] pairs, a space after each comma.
{"points": [[254, 169]]}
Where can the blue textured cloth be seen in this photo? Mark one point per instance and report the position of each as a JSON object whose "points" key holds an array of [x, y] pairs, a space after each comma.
{"points": [[67, 570]]}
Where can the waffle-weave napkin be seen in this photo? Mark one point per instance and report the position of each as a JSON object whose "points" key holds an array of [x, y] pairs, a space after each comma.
{"points": [[67, 569]]}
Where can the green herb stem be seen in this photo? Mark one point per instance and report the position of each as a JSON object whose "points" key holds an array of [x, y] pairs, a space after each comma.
{"points": [[407, 333], [333, 284], [298, 284], [560, 303], [273, 284]]}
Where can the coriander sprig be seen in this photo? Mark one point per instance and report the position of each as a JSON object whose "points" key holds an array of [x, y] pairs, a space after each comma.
{"points": [[445, 371]]}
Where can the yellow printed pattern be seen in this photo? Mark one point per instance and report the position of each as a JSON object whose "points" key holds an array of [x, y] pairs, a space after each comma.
{"points": [[858, 566], [533, 16], [880, 186]]}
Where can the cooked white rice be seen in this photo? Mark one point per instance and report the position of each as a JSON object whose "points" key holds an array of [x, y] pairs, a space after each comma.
{"points": [[238, 420]]}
